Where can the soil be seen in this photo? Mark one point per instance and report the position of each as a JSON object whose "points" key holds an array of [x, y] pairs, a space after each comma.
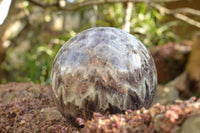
{"points": [[26, 107]]}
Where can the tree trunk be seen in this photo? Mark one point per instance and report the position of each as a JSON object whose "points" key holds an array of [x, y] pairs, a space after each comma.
{"points": [[4, 26], [193, 65], [127, 17], [188, 83]]}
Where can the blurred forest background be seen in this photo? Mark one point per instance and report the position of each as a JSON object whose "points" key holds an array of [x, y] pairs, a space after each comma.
{"points": [[33, 31]]}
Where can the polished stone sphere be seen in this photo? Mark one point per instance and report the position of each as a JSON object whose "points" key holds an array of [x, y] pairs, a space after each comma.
{"points": [[102, 70]]}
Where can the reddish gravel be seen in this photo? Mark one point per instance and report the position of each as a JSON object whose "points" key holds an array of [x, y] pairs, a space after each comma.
{"points": [[26, 107]]}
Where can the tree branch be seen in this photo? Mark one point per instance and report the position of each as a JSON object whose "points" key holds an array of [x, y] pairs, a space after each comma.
{"points": [[187, 10], [44, 5], [182, 17], [127, 18], [77, 5], [4, 26]]}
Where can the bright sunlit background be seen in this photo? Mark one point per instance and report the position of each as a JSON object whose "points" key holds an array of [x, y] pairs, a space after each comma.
{"points": [[4, 8]]}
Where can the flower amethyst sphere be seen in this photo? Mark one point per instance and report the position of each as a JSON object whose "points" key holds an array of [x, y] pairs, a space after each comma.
{"points": [[102, 70]]}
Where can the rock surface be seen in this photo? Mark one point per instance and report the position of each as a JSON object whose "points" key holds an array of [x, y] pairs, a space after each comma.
{"points": [[26, 107], [37, 113], [191, 125], [166, 94], [170, 59]]}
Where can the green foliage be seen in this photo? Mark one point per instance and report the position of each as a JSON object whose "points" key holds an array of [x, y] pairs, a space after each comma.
{"points": [[111, 15], [148, 27], [50, 1], [146, 24], [39, 60], [36, 64]]}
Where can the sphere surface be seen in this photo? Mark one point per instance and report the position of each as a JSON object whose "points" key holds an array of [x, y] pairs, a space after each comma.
{"points": [[102, 69]]}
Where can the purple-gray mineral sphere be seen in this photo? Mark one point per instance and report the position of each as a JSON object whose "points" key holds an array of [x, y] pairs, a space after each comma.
{"points": [[102, 70]]}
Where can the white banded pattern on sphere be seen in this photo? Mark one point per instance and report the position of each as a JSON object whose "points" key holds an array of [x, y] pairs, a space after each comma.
{"points": [[102, 69]]}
